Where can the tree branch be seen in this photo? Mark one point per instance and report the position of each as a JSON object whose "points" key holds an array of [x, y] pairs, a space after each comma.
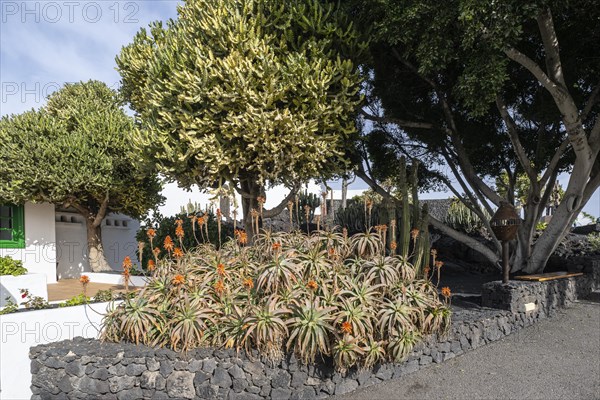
{"points": [[595, 136], [554, 162], [591, 101], [556, 91], [564, 102], [489, 254], [273, 212], [452, 132], [514, 138], [550, 40], [399, 122], [547, 193], [101, 212]]}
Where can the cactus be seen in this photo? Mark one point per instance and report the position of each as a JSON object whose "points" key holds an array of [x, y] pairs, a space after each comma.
{"points": [[306, 199], [462, 218], [405, 224], [355, 219]]}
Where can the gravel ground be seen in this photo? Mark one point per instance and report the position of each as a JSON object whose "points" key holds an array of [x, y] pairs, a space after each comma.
{"points": [[558, 358]]}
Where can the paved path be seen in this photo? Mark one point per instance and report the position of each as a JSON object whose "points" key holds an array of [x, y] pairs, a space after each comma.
{"points": [[559, 358], [69, 288]]}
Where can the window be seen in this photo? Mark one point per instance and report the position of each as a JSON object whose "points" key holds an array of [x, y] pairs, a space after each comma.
{"points": [[12, 227]]}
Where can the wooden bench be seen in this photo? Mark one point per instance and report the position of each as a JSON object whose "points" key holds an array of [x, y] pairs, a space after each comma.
{"points": [[548, 276]]}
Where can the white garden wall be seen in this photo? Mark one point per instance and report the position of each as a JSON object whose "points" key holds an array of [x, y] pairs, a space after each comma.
{"points": [[34, 283], [22, 330], [118, 238], [39, 254]]}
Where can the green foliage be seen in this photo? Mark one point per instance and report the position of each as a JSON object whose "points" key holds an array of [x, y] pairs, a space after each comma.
{"points": [[33, 302], [9, 306], [104, 295], [462, 218], [249, 90], [320, 295], [76, 151], [8, 266], [75, 301], [594, 241], [541, 226]]}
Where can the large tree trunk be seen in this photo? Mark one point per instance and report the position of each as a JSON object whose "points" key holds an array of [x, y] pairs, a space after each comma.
{"points": [[96, 256], [250, 192]]}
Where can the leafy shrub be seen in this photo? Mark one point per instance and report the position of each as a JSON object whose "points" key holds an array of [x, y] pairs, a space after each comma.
{"points": [[75, 301], [104, 295], [594, 241], [33, 302], [8, 266], [9, 307], [320, 295]]}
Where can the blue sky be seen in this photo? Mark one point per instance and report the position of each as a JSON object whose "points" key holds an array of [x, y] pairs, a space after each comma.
{"points": [[44, 44]]}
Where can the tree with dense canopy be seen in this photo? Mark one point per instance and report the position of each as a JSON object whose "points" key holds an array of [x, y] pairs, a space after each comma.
{"points": [[485, 88], [250, 93], [76, 152]]}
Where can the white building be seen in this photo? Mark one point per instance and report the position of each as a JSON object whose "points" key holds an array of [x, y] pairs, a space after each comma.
{"points": [[54, 242]]}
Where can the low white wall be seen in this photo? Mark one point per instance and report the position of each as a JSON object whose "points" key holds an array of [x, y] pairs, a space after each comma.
{"points": [[39, 254], [22, 330], [118, 239], [34, 283]]}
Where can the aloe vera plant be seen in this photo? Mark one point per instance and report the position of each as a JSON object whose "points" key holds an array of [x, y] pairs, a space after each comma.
{"points": [[319, 295]]}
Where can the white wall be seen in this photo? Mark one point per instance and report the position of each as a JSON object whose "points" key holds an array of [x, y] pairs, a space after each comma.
{"points": [[39, 254], [22, 330], [118, 239], [10, 287], [71, 245]]}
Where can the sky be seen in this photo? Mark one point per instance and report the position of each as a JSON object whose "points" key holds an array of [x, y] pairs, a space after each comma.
{"points": [[44, 44]]}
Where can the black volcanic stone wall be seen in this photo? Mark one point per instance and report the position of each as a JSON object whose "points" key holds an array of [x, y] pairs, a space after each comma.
{"points": [[546, 296]]}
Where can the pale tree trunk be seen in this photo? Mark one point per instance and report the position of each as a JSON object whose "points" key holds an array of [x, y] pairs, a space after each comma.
{"points": [[96, 256], [250, 190], [93, 221], [576, 196], [344, 193]]}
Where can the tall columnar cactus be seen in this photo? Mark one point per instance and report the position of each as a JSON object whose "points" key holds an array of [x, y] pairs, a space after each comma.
{"points": [[414, 225], [405, 224]]}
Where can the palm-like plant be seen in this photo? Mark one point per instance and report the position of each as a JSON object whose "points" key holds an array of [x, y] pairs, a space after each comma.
{"points": [[278, 273], [139, 320], [357, 315], [382, 270], [437, 319], [186, 326], [367, 244], [346, 353], [401, 345], [396, 316], [267, 328], [374, 352], [310, 327], [314, 262]]}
